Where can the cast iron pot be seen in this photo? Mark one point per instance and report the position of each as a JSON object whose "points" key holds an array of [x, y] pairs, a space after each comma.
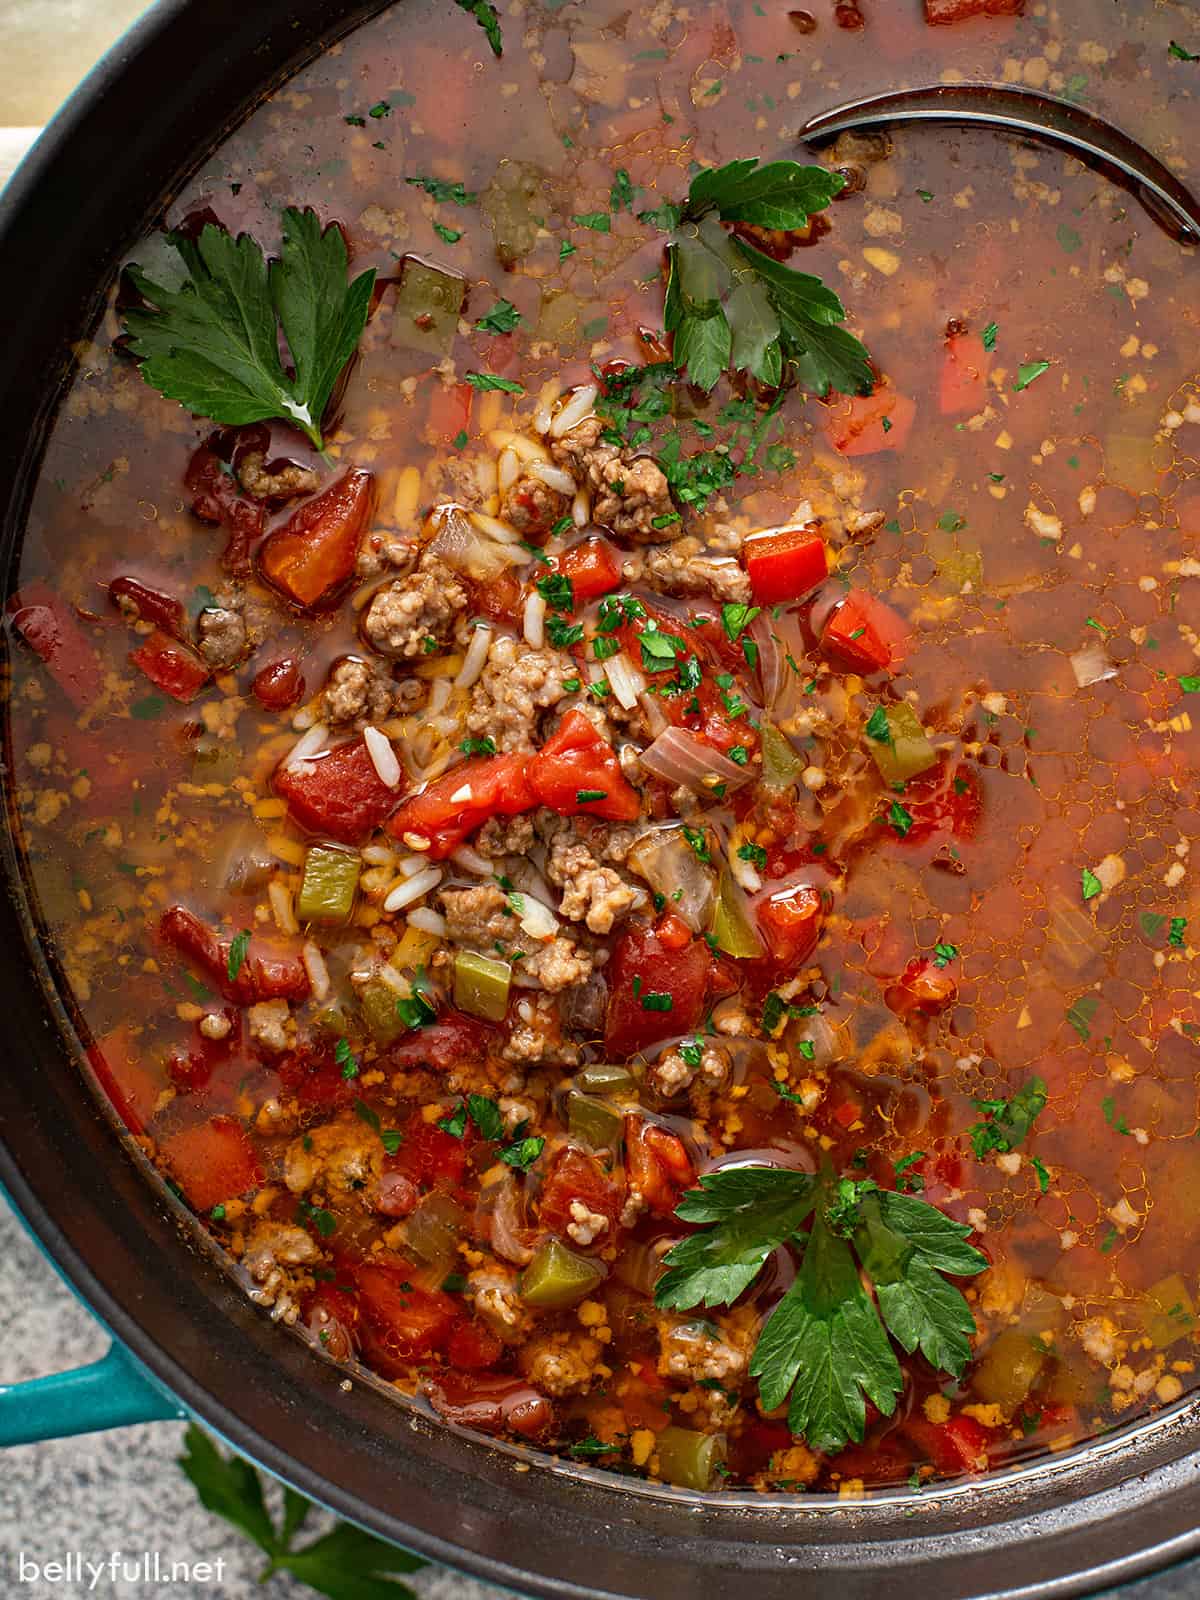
{"points": [[1124, 1505]]}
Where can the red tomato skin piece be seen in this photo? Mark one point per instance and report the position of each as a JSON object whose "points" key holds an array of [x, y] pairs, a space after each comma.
{"points": [[575, 761], [865, 633], [339, 795], [428, 1156], [785, 564], [449, 411], [955, 1447], [856, 426], [658, 1164], [311, 558], [575, 1175], [473, 1347], [171, 666], [499, 787], [129, 1084], [451, 1041], [48, 626], [790, 920], [212, 1162], [683, 974], [217, 498], [964, 386], [151, 605], [593, 567], [492, 1403], [265, 973]]}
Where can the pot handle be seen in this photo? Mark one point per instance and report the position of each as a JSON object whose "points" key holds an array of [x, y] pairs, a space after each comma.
{"points": [[110, 1393]]}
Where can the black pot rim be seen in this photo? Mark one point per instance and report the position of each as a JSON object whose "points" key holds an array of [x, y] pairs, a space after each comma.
{"points": [[1123, 1506]]}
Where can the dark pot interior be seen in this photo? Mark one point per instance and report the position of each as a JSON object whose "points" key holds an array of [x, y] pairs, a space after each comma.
{"points": [[1122, 1506]]}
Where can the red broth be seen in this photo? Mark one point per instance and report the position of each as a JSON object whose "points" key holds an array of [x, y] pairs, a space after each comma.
{"points": [[952, 794]]}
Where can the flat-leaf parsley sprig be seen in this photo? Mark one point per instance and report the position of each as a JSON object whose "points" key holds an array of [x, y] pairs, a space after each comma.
{"points": [[212, 343], [731, 307], [828, 1343]]}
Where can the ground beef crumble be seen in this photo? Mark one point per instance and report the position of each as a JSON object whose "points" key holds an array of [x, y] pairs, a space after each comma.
{"points": [[630, 493], [404, 617], [516, 684], [357, 689]]}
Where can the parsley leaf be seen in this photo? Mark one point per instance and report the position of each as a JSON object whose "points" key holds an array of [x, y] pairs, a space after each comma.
{"points": [[736, 618], [238, 947], [213, 342], [488, 18], [342, 1563], [502, 318], [1028, 371], [826, 1344], [1009, 1121], [490, 380], [523, 1153], [486, 1115], [1090, 884], [1180, 52]]}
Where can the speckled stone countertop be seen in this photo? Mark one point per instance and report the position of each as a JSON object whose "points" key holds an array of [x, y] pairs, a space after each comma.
{"points": [[122, 1490]]}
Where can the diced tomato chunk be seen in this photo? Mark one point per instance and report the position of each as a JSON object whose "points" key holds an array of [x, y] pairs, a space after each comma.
{"points": [[312, 1074], [790, 920], [212, 1162], [265, 972], [946, 799], [657, 1163], [472, 1346], [576, 773], [922, 987], [492, 1403], [863, 425], [449, 810], [593, 567], [399, 1323], [452, 1041], [449, 411], [339, 795], [865, 633], [673, 931], [964, 386], [785, 564], [428, 1156], [654, 992], [129, 1084], [311, 558], [49, 626], [172, 666], [942, 11], [576, 1176], [957, 1446]]}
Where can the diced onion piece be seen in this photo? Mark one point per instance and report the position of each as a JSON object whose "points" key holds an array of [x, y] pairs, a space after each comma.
{"points": [[536, 919], [770, 657], [409, 866], [508, 469], [383, 757], [553, 477], [428, 921], [1092, 664], [318, 972], [476, 656], [471, 861], [438, 695], [827, 600], [459, 541], [282, 906], [625, 680], [656, 717], [310, 745], [672, 868], [578, 406], [494, 528], [413, 889], [678, 756], [533, 620]]}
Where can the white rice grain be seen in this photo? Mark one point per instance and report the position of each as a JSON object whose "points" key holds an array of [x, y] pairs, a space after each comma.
{"points": [[409, 866], [476, 656], [282, 906], [410, 890], [581, 508], [553, 477], [521, 445], [428, 921], [508, 469], [494, 528], [578, 406], [318, 972], [383, 757], [471, 861], [533, 620], [308, 745]]}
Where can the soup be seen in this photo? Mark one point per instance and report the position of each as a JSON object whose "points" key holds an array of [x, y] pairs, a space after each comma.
{"points": [[626, 850]]}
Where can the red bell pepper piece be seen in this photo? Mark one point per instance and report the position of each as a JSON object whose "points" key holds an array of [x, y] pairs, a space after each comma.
{"points": [[863, 425], [964, 385], [149, 605], [265, 972], [865, 633], [129, 1084], [449, 411], [48, 625], [217, 497], [956, 1446], [339, 795], [492, 1403], [785, 564], [399, 1323], [576, 773], [673, 931], [790, 920], [452, 808], [311, 558], [212, 1162], [576, 1176], [172, 666], [674, 982], [593, 567], [658, 1164]]}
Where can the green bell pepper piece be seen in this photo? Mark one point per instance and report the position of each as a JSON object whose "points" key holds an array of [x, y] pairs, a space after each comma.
{"points": [[688, 1458], [781, 765], [732, 929], [377, 1001], [905, 751], [594, 1121], [481, 985], [216, 761], [556, 1277], [426, 309], [605, 1077], [329, 886]]}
